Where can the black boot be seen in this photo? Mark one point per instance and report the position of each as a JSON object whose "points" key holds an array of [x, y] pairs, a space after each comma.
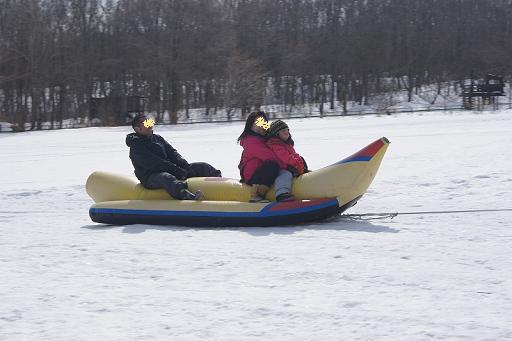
{"points": [[285, 197], [187, 195]]}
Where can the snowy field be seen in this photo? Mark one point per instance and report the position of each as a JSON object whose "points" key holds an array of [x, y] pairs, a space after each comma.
{"points": [[415, 277]]}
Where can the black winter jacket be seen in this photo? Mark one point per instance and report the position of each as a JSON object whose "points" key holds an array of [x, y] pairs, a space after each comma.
{"points": [[153, 154]]}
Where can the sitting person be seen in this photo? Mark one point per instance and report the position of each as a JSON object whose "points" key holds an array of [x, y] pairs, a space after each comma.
{"points": [[158, 165], [290, 162], [258, 164]]}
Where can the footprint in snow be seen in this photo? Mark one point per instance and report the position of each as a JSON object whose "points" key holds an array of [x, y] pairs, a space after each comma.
{"points": [[429, 184], [24, 194]]}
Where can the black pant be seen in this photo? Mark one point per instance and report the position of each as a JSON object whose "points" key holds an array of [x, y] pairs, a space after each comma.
{"points": [[265, 174], [167, 181], [174, 186]]}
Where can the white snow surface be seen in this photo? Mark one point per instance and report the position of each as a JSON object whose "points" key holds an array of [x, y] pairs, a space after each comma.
{"points": [[415, 277]]}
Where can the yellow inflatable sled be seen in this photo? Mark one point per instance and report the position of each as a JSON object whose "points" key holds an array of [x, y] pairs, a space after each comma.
{"points": [[320, 194]]}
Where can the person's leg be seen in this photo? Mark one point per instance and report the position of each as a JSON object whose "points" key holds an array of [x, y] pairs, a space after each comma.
{"points": [[283, 183], [262, 179], [199, 169], [265, 174], [176, 189]]}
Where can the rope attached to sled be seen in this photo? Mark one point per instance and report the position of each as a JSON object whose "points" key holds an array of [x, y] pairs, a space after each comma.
{"points": [[391, 215]]}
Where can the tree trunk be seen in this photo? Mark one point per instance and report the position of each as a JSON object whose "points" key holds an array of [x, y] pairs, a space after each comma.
{"points": [[187, 99], [332, 92], [365, 89]]}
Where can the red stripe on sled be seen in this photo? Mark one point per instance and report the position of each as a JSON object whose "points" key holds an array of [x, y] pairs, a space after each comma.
{"points": [[370, 150]]}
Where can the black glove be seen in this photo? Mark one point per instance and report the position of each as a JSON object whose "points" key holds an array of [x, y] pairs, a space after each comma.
{"points": [[306, 169], [292, 170]]}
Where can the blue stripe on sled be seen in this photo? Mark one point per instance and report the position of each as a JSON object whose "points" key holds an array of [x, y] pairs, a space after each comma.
{"points": [[263, 213], [354, 159]]}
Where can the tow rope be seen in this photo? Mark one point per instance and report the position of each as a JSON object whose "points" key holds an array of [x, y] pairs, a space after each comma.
{"points": [[391, 215]]}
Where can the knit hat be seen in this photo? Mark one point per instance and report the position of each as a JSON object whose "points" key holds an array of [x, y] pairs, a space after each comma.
{"points": [[276, 126]]}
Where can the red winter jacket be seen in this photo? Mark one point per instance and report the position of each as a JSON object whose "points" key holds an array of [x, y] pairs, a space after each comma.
{"points": [[254, 154], [286, 154]]}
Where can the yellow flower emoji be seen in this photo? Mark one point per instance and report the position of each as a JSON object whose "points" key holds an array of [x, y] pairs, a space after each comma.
{"points": [[261, 122], [148, 123]]}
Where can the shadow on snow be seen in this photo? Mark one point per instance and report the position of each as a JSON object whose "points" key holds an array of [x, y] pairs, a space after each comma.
{"points": [[334, 224]]}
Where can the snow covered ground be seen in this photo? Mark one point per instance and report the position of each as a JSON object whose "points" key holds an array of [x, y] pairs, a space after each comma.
{"points": [[414, 277]]}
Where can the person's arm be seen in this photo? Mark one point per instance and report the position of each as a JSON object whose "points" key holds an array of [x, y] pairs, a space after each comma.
{"points": [[297, 159], [145, 159], [287, 158], [175, 157]]}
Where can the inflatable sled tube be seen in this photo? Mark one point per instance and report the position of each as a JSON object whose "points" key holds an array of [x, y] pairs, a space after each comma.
{"points": [[320, 194], [345, 180], [215, 213]]}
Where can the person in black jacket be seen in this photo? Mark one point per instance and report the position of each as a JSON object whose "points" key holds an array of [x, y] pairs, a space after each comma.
{"points": [[158, 165]]}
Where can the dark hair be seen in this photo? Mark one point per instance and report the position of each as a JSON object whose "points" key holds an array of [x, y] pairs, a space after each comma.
{"points": [[250, 121], [138, 119]]}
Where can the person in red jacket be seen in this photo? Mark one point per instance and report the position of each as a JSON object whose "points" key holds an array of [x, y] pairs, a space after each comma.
{"points": [[291, 164], [258, 164]]}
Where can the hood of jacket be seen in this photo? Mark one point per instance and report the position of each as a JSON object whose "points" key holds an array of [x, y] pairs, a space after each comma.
{"points": [[252, 138], [277, 140], [134, 138]]}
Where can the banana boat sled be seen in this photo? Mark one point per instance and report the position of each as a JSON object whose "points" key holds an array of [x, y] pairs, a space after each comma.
{"points": [[320, 194]]}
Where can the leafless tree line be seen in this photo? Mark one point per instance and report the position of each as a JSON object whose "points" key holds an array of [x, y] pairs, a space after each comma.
{"points": [[55, 55]]}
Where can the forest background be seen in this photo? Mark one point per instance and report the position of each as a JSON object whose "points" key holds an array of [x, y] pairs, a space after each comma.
{"points": [[94, 62]]}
